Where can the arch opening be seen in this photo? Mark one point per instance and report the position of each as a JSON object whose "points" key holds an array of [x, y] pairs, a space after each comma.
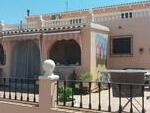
{"points": [[25, 60], [66, 52], [2, 55]]}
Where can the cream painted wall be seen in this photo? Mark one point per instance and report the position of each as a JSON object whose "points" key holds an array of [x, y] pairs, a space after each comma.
{"points": [[140, 29]]}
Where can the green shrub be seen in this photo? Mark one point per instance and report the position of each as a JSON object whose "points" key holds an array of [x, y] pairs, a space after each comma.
{"points": [[64, 94], [86, 76]]}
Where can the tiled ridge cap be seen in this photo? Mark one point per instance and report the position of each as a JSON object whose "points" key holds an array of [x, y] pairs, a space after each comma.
{"points": [[40, 30]]}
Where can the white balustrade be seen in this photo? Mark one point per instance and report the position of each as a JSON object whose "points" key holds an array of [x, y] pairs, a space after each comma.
{"points": [[65, 22]]}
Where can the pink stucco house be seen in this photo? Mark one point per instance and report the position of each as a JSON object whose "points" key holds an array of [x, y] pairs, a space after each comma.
{"points": [[121, 34]]}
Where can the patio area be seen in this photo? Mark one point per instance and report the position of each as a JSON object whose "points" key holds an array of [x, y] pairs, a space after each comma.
{"points": [[114, 102]]}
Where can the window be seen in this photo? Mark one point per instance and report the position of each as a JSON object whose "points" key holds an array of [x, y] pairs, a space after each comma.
{"points": [[121, 45], [126, 15], [122, 15], [75, 21], [130, 14]]}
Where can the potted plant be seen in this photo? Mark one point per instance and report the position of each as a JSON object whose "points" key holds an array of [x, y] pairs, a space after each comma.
{"points": [[64, 96]]}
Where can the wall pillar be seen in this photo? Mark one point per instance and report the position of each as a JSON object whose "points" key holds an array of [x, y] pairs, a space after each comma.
{"points": [[48, 87], [47, 94]]}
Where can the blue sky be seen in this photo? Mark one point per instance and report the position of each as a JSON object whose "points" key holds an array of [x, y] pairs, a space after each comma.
{"points": [[13, 11]]}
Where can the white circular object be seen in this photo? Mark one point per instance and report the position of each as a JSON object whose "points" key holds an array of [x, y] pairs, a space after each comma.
{"points": [[49, 66]]}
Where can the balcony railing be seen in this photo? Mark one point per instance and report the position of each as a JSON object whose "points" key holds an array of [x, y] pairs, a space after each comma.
{"points": [[65, 22]]}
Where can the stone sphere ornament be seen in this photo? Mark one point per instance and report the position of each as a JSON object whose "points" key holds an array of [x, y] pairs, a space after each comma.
{"points": [[48, 67]]}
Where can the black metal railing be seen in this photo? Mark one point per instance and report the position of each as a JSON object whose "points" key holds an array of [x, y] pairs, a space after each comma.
{"points": [[20, 89], [113, 97]]}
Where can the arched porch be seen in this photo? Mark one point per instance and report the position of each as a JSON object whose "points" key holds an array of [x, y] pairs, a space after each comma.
{"points": [[67, 55]]}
